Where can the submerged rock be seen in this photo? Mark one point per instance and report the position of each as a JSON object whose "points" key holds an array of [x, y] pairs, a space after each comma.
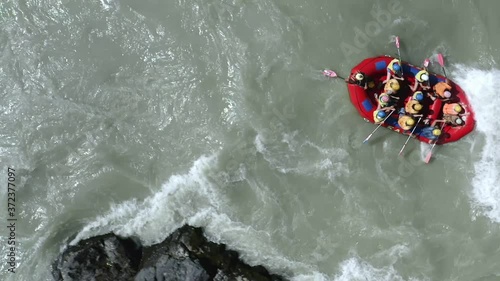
{"points": [[184, 255]]}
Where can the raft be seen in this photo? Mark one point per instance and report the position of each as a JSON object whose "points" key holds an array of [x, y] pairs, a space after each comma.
{"points": [[364, 100]]}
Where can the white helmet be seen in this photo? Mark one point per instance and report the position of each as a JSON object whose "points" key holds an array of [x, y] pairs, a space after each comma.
{"points": [[459, 121], [359, 76], [447, 94], [425, 77]]}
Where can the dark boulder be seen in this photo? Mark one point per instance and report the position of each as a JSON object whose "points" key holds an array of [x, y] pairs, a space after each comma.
{"points": [[101, 258], [184, 255]]}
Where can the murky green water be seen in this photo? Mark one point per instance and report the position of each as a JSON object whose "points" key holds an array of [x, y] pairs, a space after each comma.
{"points": [[137, 117]]}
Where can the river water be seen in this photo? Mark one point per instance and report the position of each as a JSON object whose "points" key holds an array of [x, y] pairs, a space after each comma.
{"points": [[139, 116]]}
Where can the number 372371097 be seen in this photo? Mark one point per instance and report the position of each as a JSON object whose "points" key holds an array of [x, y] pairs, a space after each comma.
{"points": [[11, 191]]}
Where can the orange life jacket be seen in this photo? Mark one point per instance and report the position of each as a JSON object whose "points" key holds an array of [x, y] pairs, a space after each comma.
{"points": [[441, 87], [402, 122], [449, 109], [409, 106]]}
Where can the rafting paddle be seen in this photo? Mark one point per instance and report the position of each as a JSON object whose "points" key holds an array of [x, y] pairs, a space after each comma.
{"points": [[401, 151], [399, 53], [331, 74], [426, 63], [441, 63], [429, 155], [370, 135]]}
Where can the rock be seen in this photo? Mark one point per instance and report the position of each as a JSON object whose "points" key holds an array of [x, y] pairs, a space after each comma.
{"points": [[105, 257], [184, 255], [173, 270]]}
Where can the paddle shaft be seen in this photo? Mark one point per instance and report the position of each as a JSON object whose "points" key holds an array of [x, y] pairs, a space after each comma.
{"points": [[401, 151], [444, 71], [370, 135], [399, 53], [429, 155]]}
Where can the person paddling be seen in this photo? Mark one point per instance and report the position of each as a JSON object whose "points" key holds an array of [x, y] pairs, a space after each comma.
{"points": [[422, 80], [360, 79], [431, 132], [413, 107], [381, 113], [442, 90], [383, 100], [392, 87], [406, 122], [453, 120], [452, 108], [394, 71], [418, 96]]}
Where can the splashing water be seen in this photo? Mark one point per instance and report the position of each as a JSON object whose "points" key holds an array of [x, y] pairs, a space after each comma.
{"points": [[482, 88]]}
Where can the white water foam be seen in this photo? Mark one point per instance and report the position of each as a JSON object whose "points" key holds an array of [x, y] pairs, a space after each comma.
{"points": [[160, 214], [482, 88], [305, 157], [355, 269], [107, 4], [193, 198]]}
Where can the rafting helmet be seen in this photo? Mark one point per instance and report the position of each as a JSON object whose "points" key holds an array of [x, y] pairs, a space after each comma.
{"points": [[396, 67], [424, 77], [417, 106], [436, 132], [419, 96], [410, 122], [371, 84], [381, 114], [359, 76], [447, 94], [384, 98], [394, 85], [457, 108], [459, 121]]}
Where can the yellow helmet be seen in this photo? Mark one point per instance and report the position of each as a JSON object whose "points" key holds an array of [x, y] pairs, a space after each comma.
{"points": [[371, 84], [394, 85], [436, 132], [410, 122], [417, 106], [457, 108]]}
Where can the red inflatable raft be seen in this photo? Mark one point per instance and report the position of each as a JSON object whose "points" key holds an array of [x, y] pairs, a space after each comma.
{"points": [[365, 102]]}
